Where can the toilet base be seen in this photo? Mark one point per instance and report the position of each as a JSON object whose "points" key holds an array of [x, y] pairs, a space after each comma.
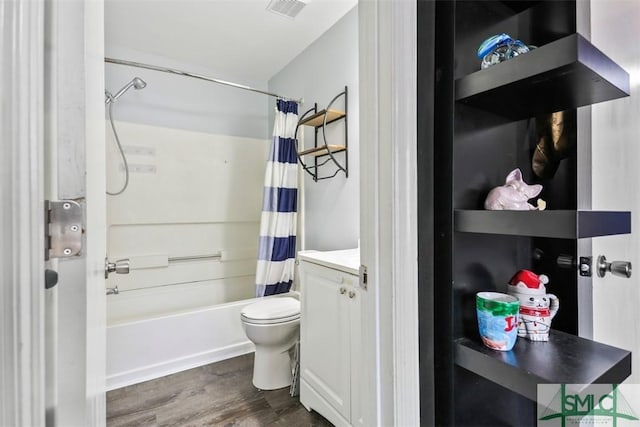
{"points": [[271, 369]]}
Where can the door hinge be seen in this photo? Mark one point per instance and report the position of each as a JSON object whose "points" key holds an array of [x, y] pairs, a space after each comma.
{"points": [[364, 277], [62, 228]]}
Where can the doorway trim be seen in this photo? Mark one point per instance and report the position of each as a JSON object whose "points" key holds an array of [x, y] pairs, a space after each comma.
{"points": [[388, 210], [75, 156], [21, 219]]}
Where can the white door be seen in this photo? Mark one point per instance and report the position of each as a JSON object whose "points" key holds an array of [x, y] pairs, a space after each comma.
{"points": [[75, 169], [615, 27], [52, 134]]}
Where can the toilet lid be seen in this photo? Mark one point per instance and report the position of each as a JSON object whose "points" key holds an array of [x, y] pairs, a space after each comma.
{"points": [[279, 309]]}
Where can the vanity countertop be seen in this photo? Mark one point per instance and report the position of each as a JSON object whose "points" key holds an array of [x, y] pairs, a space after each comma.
{"points": [[347, 260]]}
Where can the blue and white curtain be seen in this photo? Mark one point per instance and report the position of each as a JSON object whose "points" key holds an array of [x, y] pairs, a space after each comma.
{"points": [[277, 246]]}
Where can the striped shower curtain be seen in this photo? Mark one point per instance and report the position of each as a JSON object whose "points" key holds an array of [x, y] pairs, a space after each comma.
{"points": [[277, 246]]}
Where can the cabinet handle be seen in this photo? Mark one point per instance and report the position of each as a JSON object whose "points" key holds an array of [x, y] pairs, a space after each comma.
{"points": [[343, 290], [352, 294]]}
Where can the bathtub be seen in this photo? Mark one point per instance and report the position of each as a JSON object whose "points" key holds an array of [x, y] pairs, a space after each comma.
{"points": [[145, 349], [151, 348]]}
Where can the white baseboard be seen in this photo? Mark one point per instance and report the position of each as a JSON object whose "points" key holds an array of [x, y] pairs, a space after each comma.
{"points": [[169, 367]]}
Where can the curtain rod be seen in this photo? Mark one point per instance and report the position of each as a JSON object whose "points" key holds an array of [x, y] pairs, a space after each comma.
{"points": [[197, 76]]}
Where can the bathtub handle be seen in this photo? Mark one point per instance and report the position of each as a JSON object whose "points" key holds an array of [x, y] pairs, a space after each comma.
{"points": [[121, 266], [343, 290]]}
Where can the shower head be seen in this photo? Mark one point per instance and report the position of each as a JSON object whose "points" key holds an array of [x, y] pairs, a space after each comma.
{"points": [[136, 83]]}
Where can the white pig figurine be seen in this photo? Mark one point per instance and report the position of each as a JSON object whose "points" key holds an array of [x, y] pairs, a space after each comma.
{"points": [[514, 195]]}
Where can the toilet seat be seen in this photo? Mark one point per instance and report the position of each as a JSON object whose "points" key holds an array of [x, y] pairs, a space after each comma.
{"points": [[269, 321], [272, 310]]}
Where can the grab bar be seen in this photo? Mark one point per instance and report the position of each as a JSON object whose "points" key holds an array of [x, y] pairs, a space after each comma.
{"points": [[195, 257], [142, 262]]}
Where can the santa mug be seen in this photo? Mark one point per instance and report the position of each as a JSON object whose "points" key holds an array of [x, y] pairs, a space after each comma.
{"points": [[537, 307]]}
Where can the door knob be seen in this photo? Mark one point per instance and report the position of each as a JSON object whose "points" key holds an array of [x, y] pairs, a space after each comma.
{"points": [[617, 268], [121, 266]]}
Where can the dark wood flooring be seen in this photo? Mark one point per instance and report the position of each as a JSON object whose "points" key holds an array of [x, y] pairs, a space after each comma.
{"points": [[220, 394]]}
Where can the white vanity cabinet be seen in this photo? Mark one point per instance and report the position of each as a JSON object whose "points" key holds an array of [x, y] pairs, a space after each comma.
{"points": [[330, 327]]}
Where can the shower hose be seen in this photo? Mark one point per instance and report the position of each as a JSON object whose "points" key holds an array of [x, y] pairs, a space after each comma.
{"points": [[124, 158]]}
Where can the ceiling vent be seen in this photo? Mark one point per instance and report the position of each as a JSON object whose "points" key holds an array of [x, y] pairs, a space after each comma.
{"points": [[288, 8]]}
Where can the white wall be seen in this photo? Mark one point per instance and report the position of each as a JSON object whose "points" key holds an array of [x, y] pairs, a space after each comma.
{"points": [[616, 152], [183, 102], [317, 75], [197, 194]]}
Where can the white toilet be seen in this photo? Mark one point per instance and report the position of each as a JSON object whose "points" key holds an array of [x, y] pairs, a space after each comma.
{"points": [[273, 325]]}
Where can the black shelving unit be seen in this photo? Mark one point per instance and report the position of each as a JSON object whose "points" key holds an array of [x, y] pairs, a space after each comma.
{"points": [[484, 126], [325, 153]]}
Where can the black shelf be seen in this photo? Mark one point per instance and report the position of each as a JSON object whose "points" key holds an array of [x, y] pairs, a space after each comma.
{"points": [[559, 224], [564, 359], [567, 73], [519, 5]]}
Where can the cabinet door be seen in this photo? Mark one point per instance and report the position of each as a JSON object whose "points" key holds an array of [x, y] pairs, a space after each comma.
{"points": [[324, 335]]}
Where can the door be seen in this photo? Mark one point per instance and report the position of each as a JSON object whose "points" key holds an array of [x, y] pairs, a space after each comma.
{"points": [[52, 90], [75, 169], [615, 180]]}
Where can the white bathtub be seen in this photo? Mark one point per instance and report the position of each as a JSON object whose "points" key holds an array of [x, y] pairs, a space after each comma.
{"points": [[146, 349], [141, 350]]}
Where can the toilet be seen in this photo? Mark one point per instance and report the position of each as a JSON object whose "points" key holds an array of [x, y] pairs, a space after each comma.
{"points": [[273, 325]]}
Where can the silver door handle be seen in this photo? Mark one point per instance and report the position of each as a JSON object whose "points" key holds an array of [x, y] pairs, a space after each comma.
{"points": [[617, 268], [121, 266]]}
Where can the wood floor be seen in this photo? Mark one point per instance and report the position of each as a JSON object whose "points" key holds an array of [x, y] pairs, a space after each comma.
{"points": [[220, 394]]}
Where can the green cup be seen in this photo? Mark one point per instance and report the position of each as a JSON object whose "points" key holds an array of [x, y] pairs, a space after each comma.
{"points": [[497, 319]]}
